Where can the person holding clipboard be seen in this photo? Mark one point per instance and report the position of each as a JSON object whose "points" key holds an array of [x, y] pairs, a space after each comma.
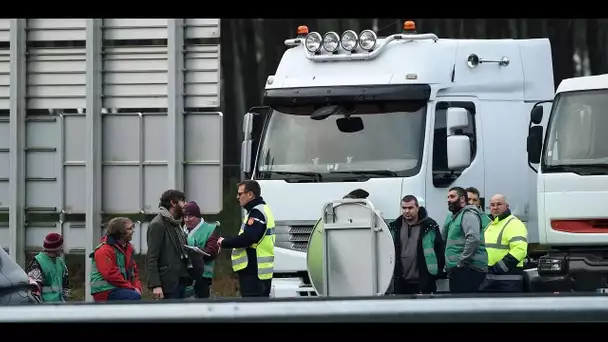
{"points": [[202, 238]]}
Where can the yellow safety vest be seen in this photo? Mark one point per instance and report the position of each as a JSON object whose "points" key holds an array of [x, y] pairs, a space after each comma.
{"points": [[264, 249], [501, 241]]}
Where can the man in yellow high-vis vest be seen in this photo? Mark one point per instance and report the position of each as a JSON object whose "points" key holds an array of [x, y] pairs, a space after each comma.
{"points": [[506, 241], [253, 248]]}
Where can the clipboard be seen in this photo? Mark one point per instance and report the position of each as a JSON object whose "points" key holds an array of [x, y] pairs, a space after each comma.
{"points": [[197, 250]]}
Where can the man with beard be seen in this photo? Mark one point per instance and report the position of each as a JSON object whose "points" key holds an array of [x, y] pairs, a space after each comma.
{"points": [[465, 253], [114, 275], [167, 259], [418, 247]]}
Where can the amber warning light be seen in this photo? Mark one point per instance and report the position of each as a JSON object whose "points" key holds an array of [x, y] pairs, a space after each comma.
{"points": [[302, 30], [409, 26]]}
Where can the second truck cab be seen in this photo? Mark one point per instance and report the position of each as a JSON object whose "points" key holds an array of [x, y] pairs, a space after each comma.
{"points": [[573, 186], [404, 114]]}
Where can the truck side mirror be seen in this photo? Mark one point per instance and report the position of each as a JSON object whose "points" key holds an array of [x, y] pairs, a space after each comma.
{"points": [[246, 156], [253, 125], [459, 152], [246, 144], [456, 118], [536, 114], [535, 143], [458, 146]]}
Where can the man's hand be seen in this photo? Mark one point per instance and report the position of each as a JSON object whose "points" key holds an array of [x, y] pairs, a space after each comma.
{"points": [[158, 293], [139, 292], [219, 241]]}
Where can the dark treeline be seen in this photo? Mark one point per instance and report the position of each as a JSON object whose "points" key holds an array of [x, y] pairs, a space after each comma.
{"points": [[252, 48]]}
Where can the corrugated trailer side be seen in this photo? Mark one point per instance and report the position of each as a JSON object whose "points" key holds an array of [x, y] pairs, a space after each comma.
{"points": [[98, 117]]}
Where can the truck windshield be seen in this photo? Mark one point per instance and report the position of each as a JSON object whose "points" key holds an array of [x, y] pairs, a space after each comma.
{"points": [[389, 143], [577, 133]]}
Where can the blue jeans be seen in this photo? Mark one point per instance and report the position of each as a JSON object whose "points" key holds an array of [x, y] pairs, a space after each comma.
{"points": [[124, 294]]}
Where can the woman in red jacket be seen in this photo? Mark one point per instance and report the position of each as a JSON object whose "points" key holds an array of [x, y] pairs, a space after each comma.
{"points": [[114, 274]]}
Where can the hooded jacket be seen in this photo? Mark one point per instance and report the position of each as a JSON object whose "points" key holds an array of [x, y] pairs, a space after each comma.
{"points": [[427, 225]]}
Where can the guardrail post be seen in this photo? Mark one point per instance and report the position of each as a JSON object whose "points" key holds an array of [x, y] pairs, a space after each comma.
{"points": [[175, 102], [18, 79], [93, 135]]}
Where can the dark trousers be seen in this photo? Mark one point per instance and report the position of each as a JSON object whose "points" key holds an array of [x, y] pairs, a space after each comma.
{"points": [[179, 292], [410, 287], [123, 294], [465, 280], [252, 286], [501, 283], [201, 287]]}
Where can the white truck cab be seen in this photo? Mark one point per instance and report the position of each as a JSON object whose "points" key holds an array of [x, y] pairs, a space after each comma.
{"points": [[404, 114], [573, 186]]}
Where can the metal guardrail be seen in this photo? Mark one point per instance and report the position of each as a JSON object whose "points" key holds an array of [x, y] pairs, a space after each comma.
{"points": [[592, 308]]}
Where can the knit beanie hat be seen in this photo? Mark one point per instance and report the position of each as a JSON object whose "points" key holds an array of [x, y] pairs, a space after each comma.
{"points": [[192, 209], [52, 242]]}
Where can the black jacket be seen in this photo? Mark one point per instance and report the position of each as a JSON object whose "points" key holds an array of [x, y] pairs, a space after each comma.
{"points": [[253, 232], [426, 224]]}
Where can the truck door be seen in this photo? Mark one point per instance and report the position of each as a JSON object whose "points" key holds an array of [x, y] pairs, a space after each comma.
{"points": [[439, 178]]}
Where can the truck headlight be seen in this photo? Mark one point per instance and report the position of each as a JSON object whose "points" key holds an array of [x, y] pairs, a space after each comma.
{"points": [[367, 40], [551, 265], [313, 42], [331, 41], [349, 40]]}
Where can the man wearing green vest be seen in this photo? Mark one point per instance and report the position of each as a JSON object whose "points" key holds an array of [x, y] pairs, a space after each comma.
{"points": [[114, 274], [253, 248], [474, 199], [49, 271], [465, 253], [202, 235], [418, 247]]}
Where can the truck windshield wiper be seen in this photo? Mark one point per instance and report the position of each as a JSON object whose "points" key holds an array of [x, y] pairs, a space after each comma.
{"points": [[367, 173], [315, 175]]}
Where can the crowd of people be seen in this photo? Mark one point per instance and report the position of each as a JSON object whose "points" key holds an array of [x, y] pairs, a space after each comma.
{"points": [[474, 250], [180, 259]]}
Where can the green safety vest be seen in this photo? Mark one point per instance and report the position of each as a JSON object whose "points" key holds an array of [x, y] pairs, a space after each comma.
{"points": [[264, 249], [485, 221], [455, 241], [98, 283], [52, 270], [199, 239], [428, 246]]}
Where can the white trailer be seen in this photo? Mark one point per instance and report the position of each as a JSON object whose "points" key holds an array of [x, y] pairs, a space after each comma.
{"points": [[573, 186], [97, 118], [412, 114]]}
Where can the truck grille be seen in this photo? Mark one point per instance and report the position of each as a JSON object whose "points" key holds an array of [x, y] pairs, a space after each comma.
{"points": [[298, 236]]}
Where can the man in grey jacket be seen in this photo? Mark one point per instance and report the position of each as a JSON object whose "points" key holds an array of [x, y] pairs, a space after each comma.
{"points": [[167, 260], [465, 252]]}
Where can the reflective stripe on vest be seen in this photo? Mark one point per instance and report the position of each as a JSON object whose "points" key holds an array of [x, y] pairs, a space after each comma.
{"points": [[264, 248], [51, 289], [498, 244]]}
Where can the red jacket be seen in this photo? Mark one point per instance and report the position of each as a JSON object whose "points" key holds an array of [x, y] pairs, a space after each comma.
{"points": [[105, 259]]}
